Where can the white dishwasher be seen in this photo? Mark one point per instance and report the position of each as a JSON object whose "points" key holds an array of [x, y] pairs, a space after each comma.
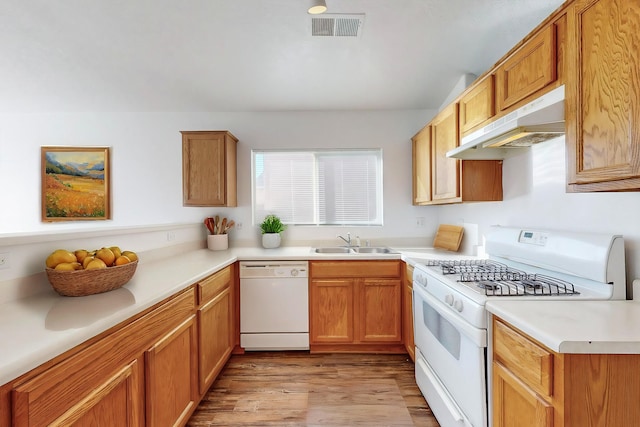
{"points": [[274, 305]]}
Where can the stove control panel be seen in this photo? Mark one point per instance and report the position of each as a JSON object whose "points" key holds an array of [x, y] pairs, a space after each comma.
{"points": [[533, 237]]}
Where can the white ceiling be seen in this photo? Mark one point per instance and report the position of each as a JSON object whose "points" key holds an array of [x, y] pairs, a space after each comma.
{"points": [[247, 55]]}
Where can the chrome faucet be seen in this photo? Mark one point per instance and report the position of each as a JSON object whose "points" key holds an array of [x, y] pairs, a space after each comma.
{"points": [[348, 239]]}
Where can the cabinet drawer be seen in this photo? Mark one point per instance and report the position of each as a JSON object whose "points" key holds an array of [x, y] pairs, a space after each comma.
{"points": [[344, 269], [532, 363], [211, 286], [409, 273]]}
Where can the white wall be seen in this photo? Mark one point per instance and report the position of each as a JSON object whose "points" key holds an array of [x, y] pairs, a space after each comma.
{"points": [[146, 160], [535, 196]]}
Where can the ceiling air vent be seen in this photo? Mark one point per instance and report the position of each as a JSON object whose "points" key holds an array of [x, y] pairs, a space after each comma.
{"points": [[337, 25]]}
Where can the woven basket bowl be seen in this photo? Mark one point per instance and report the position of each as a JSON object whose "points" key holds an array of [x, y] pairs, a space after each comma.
{"points": [[79, 283]]}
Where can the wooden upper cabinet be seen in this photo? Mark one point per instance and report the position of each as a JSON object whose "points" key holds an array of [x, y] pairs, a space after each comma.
{"points": [[445, 171], [209, 168], [528, 70], [478, 105], [603, 95], [422, 166]]}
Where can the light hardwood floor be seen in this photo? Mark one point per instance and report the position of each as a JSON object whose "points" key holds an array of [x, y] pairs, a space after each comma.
{"points": [[302, 389]]}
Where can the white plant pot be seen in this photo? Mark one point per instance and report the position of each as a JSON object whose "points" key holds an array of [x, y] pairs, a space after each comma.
{"points": [[218, 242], [271, 240]]}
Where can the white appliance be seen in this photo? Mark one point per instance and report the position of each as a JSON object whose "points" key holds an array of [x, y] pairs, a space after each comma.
{"points": [[537, 121], [450, 320], [274, 305]]}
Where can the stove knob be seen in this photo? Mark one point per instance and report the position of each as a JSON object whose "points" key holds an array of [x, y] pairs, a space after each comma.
{"points": [[458, 305], [448, 299]]}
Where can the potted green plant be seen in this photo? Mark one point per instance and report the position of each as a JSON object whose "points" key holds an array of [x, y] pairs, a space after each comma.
{"points": [[271, 228]]}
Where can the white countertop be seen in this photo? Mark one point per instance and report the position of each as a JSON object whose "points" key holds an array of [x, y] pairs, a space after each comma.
{"points": [[592, 327], [40, 327]]}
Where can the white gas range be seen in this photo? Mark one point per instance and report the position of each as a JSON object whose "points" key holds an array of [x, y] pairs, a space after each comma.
{"points": [[450, 320]]}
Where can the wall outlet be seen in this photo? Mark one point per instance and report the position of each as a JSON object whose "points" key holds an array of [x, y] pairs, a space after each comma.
{"points": [[238, 226], [4, 260], [420, 221], [171, 236]]}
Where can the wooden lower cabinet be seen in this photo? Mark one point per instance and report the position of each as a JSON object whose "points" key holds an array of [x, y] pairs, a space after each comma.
{"points": [[355, 305], [407, 312], [151, 370], [171, 379], [535, 386], [215, 326]]}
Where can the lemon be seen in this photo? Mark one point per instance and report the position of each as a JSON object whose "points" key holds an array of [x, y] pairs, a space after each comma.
{"points": [[95, 264], [122, 260], [106, 255], [59, 256], [131, 255]]}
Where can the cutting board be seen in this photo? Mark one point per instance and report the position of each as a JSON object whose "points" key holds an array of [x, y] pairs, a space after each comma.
{"points": [[448, 237]]}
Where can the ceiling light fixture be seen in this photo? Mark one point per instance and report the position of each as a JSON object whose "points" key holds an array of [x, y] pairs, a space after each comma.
{"points": [[317, 7]]}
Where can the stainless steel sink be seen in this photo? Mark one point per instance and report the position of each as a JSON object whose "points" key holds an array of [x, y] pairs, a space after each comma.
{"points": [[336, 250], [374, 250], [354, 250]]}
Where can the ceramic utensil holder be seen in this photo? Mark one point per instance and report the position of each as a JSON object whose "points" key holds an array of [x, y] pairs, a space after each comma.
{"points": [[218, 242]]}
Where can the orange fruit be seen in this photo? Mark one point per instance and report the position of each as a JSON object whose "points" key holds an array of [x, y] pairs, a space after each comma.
{"points": [[59, 256], [106, 255], [116, 251], [81, 254], [122, 260], [67, 266], [131, 255], [95, 264], [87, 260]]}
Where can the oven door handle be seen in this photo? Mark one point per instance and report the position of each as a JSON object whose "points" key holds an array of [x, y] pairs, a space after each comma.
{"points": [[478, 336]]}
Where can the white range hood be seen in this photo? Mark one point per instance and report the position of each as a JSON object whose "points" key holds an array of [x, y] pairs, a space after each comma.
{"points": [[538, 121]]}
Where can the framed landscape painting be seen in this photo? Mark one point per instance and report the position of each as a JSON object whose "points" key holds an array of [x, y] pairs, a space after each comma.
{"points": [[75, 183]]}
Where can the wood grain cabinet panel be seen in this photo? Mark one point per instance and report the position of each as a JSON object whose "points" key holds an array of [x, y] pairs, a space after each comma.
{"points": [[380, 310], [515, 404], [528, 70], [445, 171], [209, 168], [355, 306], [215, 326], [407, 312], [603, 95], [171, 377], [421, 148], [331, 311], [477, 105], [534, 386]]}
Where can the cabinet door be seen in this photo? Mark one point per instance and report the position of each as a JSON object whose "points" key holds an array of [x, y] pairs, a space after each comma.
{"points": [[331, 311], [214, 338], [48, 400], [422, 166], [380, 308], [407, 313], [478, 105], [445, 172], [530, 69], [603, 95], [172, 377], [515, 404], [209, 169]]}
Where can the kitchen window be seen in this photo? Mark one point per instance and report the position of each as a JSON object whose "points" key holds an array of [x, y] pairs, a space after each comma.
{"points": [[318, 187]]}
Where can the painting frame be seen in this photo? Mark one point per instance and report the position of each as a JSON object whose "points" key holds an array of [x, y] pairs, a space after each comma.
{"points": [[76, 183]]}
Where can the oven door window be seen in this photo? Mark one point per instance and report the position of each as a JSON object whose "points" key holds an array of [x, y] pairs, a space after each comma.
{"points": [[442, 330]]}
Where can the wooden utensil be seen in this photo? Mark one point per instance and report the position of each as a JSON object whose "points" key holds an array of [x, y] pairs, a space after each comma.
{"points": [[229, 225], [223, 226]]}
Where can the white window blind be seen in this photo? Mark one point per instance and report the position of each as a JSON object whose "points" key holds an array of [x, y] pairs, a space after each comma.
{"points": [[318, 187]]}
